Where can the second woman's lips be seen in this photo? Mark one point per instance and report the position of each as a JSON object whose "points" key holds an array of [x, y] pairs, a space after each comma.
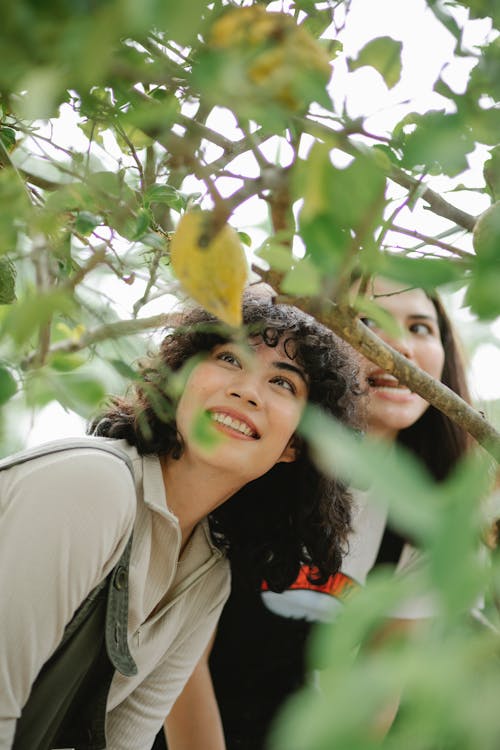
{"points": [[382, 379]]}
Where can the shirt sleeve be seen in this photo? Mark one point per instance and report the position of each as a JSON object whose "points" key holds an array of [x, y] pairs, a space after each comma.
{"points": [[65, 519]]}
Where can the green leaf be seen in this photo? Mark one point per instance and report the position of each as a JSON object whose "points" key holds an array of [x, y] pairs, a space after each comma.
{"points": [[393, 476], [491, 172], [303, 280], [439, 143], [383, 54], [8, 385], [245, 238], [368, 308], [486, 236], [329, 216], [134, 227], [7, 281], [8, 137], [34, 311], [482, 291], [41, 91], [86, 222], [165, 194], [280, 258], [427, 273], [204, 433], [66, 361], [79, 391], [124, 369]]}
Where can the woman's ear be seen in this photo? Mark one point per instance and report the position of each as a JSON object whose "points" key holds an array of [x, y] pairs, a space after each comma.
{"points": [[291, 451]]}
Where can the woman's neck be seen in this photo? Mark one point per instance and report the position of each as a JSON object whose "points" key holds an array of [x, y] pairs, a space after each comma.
{"points": [[194, 490]]}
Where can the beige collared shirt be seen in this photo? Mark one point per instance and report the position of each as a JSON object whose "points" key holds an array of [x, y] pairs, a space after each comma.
{"points": [[64, 521]]}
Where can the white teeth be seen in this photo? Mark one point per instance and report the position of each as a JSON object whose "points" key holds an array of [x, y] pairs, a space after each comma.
{"points": [[235, 424]]}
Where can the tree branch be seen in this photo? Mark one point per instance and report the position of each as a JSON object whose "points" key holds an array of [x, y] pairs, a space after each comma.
{"points": [[437, 203], [106, 332]]}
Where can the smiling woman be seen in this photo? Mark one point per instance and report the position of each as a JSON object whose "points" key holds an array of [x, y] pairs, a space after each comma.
{"points": [[394, 407], [201, 458]]}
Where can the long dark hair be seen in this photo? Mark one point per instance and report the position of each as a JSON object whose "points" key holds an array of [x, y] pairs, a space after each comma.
{"points": [[438, 441], [293, 513]]}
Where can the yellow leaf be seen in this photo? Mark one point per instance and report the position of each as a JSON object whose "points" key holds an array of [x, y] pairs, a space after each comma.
{"points": [[210, 265]]}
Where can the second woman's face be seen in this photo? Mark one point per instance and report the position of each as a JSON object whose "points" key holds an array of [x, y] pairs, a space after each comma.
{"points": [[254, 396], [393, 407]]}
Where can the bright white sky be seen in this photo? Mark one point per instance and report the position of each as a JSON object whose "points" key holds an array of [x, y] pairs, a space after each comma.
{"points": [[427, 51]]}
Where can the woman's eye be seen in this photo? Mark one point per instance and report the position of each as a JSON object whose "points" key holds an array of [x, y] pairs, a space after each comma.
{"points": [[368, 322], [421, 329], [228, 357], [285, 383]]}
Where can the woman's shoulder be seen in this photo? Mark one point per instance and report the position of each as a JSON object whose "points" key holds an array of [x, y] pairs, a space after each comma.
{"points": [[93, 461]]}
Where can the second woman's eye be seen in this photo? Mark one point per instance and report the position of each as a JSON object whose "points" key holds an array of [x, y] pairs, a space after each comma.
{"points": [[422, 329], [368, 322]]}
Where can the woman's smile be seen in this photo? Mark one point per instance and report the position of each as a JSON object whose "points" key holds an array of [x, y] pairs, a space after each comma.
{"points": [[234, 424]]}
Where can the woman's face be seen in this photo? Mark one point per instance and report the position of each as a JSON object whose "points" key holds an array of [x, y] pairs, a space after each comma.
{"points": [[253, 397], [393, 407]]}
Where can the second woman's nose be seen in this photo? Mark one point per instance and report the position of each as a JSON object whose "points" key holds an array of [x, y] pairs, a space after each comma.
{"points": [[401, 344]]}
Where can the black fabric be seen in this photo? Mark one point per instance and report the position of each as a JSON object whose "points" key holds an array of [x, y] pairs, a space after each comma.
{"points": [[257, 661], [67, 703], [390, 548]]}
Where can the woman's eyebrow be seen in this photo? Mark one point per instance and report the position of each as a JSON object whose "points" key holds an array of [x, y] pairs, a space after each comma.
{"points": [[279, 365], [422, 316]]}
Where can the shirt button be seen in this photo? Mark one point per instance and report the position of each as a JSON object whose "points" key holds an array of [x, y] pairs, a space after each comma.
{"points": [[120, 578]]}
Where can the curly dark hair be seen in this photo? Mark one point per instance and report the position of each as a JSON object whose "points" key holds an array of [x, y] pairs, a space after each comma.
{"points": [[293, 513]]}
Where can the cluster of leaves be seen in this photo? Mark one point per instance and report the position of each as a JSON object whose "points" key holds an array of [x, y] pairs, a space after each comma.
{"points": [[173, 104]]}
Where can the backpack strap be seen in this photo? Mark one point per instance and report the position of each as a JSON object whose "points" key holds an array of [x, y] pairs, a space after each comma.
{"points": [[117, 600]]}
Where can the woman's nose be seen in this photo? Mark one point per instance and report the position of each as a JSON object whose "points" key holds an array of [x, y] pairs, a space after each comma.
{"points": [[246, 388], [401, 344]]}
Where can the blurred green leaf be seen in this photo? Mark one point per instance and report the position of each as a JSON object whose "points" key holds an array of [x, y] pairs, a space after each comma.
{"points": [[32, 312], [8, 137], [482, 291], [439, 143], [329, 214], [393, 476], [486, 236], [383, 54], [8, 385], [491, 172], [278, 257], [86, 222], [204, 433], [427, 273], [66, 361], [165, 194], [124, 369], [7, 281], [303, 280]]}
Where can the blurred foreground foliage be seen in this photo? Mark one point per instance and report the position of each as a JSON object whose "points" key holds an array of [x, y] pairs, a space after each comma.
{"points": [[117, 117]]}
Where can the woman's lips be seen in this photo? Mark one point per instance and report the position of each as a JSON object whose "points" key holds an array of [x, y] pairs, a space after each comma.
{"points": [[387, 387], [234, 423]]}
